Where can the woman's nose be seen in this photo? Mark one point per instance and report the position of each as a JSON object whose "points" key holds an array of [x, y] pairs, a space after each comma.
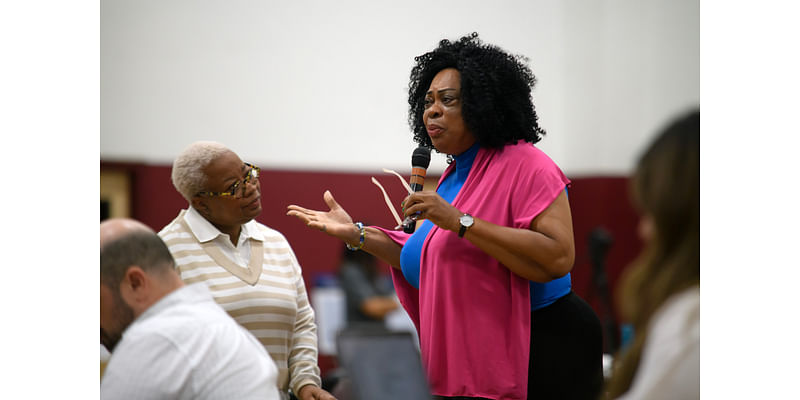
{"points": [[435, 110], [246, 187]]}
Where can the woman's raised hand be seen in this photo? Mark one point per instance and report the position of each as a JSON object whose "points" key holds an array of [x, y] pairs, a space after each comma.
{"points": [[336, 222], [427, 204]]}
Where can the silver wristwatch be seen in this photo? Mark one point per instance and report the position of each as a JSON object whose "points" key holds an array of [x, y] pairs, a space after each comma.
{"points": [[466, 222]]}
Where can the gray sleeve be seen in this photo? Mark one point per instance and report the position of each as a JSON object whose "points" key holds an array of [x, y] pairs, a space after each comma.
{"points": [[355, 284]]}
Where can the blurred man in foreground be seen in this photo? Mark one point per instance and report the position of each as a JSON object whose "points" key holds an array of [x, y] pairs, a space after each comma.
{"points": [[169, 341]]}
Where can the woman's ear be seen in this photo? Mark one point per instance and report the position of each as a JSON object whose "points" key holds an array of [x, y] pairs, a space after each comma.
{"points": [[200, 205]]}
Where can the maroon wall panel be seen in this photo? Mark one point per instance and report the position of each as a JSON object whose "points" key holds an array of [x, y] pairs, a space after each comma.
{"points": [[595, 201], [602, 202], [155, 202]]}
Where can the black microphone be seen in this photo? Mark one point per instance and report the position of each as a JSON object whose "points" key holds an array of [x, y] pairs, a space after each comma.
{"points": [[420, 160]]}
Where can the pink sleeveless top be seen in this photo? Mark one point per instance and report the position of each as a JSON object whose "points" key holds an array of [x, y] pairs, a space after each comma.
{"points": [[471, 312]]}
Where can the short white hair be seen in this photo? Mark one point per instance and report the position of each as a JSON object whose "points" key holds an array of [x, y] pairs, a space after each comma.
{"points": [[188, 174]]}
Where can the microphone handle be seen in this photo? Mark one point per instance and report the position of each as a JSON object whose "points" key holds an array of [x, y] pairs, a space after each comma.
{"points": [[410, 224], [417, 180]]}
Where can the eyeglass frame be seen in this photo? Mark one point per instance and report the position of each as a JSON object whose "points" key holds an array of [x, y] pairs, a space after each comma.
{"points": [[252, 173]]}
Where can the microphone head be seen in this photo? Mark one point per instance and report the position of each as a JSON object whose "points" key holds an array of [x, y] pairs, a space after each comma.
{"points": [[421, 157]]}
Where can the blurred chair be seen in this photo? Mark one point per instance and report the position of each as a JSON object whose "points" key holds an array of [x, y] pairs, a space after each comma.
{"points": [[380, 364]]}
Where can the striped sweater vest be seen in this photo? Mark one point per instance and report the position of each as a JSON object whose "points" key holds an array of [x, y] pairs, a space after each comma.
{"points": [[268, 298]]}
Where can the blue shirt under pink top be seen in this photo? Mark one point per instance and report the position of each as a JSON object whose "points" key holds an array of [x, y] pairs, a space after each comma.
{"points": [[542, 294], [471, 312]]}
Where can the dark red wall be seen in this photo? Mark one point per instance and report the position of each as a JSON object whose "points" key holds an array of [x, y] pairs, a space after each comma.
{"points": [[602, 202], [595, 201]]}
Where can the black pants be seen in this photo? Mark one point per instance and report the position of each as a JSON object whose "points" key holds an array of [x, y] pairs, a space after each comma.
{"points": [[566, 351]]}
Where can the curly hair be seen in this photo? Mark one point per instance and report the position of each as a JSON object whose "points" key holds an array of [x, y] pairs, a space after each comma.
{"points": [[495, 91], [188, 174]]}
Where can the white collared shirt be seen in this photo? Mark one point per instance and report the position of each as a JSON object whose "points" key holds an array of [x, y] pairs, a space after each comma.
{"points": [[206, 232], [186, 346], [669, 368]]}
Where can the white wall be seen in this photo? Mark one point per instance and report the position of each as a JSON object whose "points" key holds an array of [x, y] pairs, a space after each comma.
{"points": [[322, 85]]}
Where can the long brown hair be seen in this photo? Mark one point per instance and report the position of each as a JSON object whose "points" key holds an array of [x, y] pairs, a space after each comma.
{"points": [[666, 188]]}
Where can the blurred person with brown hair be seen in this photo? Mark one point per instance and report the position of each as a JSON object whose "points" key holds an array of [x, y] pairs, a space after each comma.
{"points": [[660, 292]]}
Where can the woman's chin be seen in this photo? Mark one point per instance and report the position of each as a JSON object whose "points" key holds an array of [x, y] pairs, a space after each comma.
{"points": [[251, 212]]}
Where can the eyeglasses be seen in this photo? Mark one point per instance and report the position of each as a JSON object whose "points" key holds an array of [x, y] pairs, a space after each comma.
{"points": [[237, 190]]}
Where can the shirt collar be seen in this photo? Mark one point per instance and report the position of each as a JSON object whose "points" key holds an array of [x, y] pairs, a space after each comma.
{"points": [[193, 293], [204, 231], [464, 160]]}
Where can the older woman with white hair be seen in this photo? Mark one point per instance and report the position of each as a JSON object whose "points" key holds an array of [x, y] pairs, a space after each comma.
{"points": [[249, 268]]}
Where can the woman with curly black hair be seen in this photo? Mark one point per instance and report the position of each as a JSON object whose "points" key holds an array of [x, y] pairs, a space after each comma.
{"points": [[496, 241], [495, 92]]}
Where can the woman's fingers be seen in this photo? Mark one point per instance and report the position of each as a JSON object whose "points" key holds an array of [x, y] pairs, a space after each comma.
{"points": [[334, 222], [330, 201], [429, 205], [302, 214], [299, 210], [417, 202]]}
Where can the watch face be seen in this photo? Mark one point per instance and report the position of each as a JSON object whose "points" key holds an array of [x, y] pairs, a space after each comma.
{"points": [[466, 220]]}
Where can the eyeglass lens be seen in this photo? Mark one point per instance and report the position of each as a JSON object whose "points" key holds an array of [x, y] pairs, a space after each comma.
{"points": [[241, 189]]}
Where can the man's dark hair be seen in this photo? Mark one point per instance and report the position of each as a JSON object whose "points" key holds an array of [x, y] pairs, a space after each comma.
{"points": [[495, 92], [142, 248]]}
